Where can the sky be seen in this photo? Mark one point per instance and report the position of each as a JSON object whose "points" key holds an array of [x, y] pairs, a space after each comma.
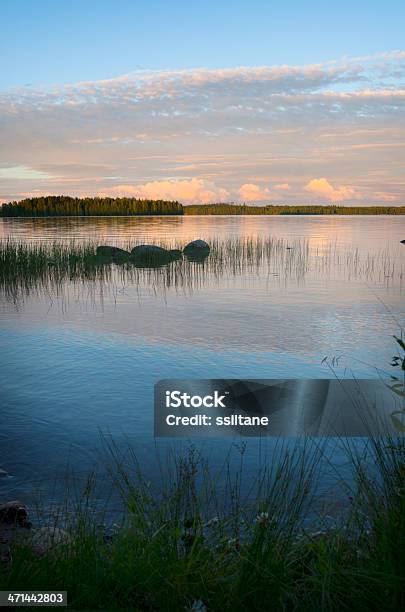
{"points": [[257, 102]]}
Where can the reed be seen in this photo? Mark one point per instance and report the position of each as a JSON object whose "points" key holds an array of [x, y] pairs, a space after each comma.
{"points": [[46, 267], [186, 544]]}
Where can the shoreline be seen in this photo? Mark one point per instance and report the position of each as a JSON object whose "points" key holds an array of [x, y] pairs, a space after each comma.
{"points": [[175, 548], [368, 214], [68, 206]]}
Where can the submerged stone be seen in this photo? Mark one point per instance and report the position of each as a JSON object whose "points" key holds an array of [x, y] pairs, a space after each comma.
{"points": [[197, 250], [111, 252], [175, 253], [152, 255], [197, 246], [148, 250]]}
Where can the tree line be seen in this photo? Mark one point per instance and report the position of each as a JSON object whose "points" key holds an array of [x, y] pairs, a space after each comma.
{"points": [[243, 209], [54, 206], [58, 206]]}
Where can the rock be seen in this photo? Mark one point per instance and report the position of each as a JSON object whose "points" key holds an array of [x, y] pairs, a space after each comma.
{"points": [[11, 535], [148, 250], [150, 255], [47, 539], [197, 256], [16, 530], [197, 250], [14, 527], [111, 252], [196, 246], [13, 512], [175, 253]]}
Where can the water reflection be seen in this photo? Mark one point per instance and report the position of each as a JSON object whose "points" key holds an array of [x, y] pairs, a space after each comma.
{"points": [[84, 341], [44, 267]]}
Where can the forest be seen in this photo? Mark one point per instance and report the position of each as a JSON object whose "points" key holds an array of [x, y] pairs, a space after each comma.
{"points": [[243, 209], [58, 206]]}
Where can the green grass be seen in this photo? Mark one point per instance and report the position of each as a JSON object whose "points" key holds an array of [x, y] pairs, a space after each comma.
{"points": [[34, 267], [185, 542], [188, 542], [206, 538]]}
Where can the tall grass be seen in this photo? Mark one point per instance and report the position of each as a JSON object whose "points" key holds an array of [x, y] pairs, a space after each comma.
{"points": [[45, 267], [187, 545]]}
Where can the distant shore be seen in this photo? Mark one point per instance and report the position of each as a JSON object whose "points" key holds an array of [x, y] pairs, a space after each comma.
{"points": [[243, 209], [66, 206]]}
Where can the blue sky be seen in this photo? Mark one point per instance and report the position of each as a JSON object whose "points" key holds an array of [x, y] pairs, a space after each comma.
{"points": [[258, 102], [63, 41]]}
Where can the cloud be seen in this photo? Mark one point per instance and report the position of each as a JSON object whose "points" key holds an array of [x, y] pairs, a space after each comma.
{"points": [[324, 190], [223, 133], [187, 191], [386, 197], [250, 192], [21, 173]]}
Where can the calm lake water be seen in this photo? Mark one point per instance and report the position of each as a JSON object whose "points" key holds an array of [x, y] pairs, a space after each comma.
{"points": [[79, 358]]}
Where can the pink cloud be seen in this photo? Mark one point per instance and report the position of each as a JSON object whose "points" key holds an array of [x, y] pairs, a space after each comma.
{"points": [[189, 191], [245, 133], [282, 187], [386, 197], [249, 192], [321, 188]]}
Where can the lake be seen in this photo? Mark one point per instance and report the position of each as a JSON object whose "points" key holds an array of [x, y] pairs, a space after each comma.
{"points": [[279, 294]]}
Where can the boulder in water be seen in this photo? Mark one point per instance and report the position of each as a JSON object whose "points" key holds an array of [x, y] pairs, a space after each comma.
{"points": [[196, 246], [146, 255], [148, 251], [175, 253], [197, 250], [113, 253]]}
